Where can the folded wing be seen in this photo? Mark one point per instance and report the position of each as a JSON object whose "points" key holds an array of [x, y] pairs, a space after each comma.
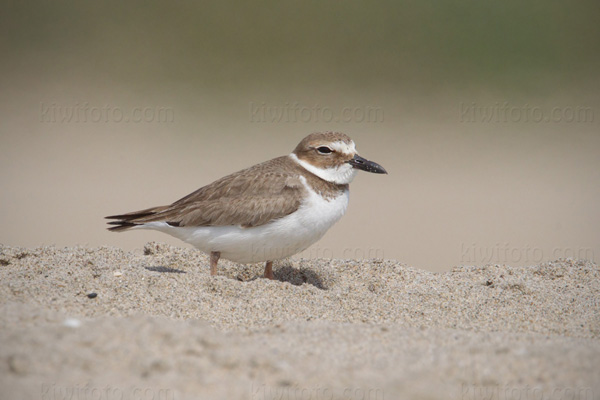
{"points": [[251, 197]]}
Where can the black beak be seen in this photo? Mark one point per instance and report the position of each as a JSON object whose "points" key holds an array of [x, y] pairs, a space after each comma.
{"points": [[360, 163]]}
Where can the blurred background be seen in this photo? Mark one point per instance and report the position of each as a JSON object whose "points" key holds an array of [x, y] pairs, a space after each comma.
{"points": [[485, 114]]}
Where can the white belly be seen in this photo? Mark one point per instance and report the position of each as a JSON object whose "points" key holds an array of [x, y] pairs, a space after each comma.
{"points": [[278, 239]]}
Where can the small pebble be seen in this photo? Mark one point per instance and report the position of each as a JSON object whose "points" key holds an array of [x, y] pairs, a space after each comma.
{"points": [[72, 323], [92, 295], [116, 274], [18, 364]]}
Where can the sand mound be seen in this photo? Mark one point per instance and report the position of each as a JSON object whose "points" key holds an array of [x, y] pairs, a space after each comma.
{"points": [[106, 324]]}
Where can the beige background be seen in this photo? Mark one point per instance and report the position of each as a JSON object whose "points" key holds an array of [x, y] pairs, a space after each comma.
{"points": [[519, 188]]}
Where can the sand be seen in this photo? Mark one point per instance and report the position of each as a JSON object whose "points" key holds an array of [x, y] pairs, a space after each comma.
{"points": [[81, 323]]}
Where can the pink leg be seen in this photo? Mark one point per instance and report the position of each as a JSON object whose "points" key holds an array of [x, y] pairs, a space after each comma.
{"points": [[269, 270], [214, 259]]}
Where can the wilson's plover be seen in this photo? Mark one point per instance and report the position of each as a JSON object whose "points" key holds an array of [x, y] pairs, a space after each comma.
{"points": [[266, 212]]}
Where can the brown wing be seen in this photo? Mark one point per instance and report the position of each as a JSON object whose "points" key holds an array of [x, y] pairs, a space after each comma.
{"points": [[251, 197]]}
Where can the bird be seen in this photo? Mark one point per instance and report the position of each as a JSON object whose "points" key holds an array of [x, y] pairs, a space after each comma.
{"points": [[266, 212]]}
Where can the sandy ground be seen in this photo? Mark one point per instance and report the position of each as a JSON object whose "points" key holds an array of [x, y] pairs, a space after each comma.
{"points": [[160, 327]]}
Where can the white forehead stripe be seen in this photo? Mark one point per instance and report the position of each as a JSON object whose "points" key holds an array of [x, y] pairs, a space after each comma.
{"points": [[343, 147]]}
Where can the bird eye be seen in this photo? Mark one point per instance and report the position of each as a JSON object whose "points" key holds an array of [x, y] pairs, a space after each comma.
{"points": [[324, 150]]}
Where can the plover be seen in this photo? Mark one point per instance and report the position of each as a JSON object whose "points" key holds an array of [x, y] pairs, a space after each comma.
{"points": [[266, 212]]}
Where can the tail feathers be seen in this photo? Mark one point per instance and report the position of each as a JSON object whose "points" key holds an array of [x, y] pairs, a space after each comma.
{"points": [[121, 226], [132, 219]]}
